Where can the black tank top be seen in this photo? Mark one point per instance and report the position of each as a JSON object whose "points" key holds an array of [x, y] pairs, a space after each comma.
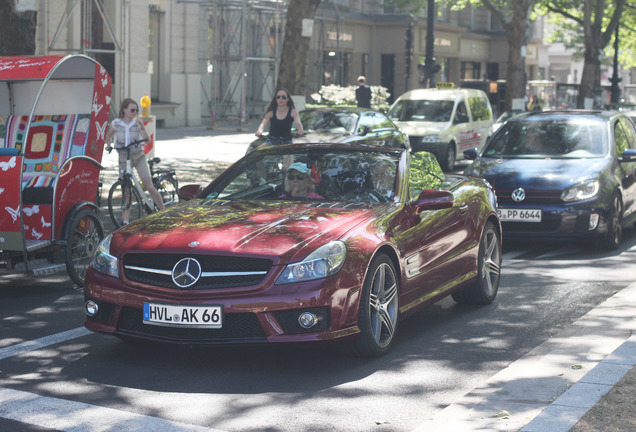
{"points": [[281, 128]]}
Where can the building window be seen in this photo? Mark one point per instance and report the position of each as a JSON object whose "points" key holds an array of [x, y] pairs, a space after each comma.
{"points": [[470, 70], [364, 70]]}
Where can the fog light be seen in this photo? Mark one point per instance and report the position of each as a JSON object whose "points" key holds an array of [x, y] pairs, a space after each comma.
{"points": [[593, 221], [307, 320], [91, 308]]}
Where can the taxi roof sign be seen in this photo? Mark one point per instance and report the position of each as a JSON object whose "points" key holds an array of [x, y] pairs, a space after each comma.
{"points": [[445, 85]]}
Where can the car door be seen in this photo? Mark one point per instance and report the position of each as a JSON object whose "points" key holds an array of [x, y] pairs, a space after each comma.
{"points": [[625, 138], [466, 134], [433, 242]]}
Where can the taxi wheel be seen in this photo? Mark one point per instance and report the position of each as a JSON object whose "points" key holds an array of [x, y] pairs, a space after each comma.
{"points": [[379, 309], [85, 233], [449, 161]]}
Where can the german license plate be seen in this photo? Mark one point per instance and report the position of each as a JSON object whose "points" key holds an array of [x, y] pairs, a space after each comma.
{"points": [[519, 215], [183, 315]]}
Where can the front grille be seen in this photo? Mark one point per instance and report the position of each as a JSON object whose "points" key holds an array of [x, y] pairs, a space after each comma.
{"points": [[243, 327], [544, 197], [209, 263], [528, 227]]}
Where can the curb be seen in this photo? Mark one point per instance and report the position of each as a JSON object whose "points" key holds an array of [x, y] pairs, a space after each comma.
{"points": [[555, 384]]}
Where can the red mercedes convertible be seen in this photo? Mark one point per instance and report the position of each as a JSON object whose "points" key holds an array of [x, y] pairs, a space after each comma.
{"points": [[300, 243]]}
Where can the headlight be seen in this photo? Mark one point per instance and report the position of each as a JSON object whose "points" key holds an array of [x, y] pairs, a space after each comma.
{"points": [[581, 191], [431, 138], [321, 263], [103, 261]]}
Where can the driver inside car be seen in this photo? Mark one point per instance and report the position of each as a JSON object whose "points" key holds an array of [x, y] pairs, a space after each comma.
{"points": [[299, 183]]}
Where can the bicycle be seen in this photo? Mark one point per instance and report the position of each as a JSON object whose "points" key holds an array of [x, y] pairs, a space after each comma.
{"points": [[127, 194], [165, 181]]}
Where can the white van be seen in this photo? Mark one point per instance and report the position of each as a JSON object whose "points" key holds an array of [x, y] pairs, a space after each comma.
{"points": [[444, 121]]}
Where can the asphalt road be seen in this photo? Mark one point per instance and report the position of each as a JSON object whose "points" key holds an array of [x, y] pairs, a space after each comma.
{"points": [[54, 375]]}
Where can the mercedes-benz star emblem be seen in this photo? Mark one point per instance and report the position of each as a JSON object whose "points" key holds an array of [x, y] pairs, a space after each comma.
{"points": [[186, 272], [518, 195]]}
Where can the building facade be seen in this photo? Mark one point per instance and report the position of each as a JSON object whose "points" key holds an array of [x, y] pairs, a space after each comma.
{"points": [[202, 60]]}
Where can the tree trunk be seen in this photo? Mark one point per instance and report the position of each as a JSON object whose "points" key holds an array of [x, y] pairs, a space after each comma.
{"points": [[516, 76], [293, 61], [515, 20]]}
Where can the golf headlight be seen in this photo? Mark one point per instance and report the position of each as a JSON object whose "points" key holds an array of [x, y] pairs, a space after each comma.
{"points": [[103, 261], [430, 138], [581, 191], [321, 263]]}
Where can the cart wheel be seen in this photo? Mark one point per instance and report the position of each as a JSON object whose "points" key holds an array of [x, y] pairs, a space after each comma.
{"points": [[83, 238]]}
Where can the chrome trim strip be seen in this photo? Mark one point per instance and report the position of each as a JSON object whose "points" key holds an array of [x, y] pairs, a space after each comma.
{"points": [[203, 274]]}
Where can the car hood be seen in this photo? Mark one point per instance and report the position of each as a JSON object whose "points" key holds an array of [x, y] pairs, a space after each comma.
{"points": [[419, 128], [275, 229], [543, 174]]}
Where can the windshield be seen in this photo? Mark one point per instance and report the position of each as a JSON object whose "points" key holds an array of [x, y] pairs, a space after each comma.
{"points": [[328, 121], [422, 110], [316, 175], [563, 138]]}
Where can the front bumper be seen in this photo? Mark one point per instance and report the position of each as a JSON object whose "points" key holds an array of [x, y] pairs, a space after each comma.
{"points": [[258, 317]]}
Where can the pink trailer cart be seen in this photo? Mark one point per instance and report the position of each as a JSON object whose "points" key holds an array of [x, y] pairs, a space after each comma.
{"points": [[53, 116]]}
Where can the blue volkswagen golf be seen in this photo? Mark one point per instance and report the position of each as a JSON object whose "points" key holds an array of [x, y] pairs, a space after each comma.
{"points": [[562, 175]]}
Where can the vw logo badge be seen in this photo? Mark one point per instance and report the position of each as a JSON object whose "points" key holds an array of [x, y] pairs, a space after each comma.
{"points": [[518, 195], [186, 272]]}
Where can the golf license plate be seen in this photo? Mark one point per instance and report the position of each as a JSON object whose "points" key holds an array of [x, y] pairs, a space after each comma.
{"points": [[183, 315], [519, 215]]}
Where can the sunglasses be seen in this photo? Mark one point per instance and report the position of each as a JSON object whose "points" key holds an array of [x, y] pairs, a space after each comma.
{"points": [[297, 177], [132, 109], [281, 97]]}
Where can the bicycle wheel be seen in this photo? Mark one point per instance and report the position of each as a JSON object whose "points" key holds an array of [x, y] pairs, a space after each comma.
{"points": [[122, 197], [81, 243], [168, 188]]}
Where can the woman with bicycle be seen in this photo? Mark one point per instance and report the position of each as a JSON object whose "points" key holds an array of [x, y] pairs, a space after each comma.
{"points": [[128, 131], [280, 115]]}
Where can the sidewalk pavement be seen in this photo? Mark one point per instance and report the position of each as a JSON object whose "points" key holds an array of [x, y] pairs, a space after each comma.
{"points": [[551, 388], [556, 384]]}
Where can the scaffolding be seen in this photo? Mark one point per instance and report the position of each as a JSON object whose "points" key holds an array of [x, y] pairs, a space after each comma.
{"points": [[245, 51]]}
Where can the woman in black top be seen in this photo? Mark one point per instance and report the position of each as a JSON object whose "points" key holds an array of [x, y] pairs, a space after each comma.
{"points": [[280, 114]]}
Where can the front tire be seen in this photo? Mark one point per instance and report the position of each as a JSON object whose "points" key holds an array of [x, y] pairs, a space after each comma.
{"points": [[85, 233], [484, 289], [448, 164], [612, 239], [379, 309]]}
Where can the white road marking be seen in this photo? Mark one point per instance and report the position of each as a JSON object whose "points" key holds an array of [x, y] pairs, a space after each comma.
{"points": [[65, 415], [36, 344]]}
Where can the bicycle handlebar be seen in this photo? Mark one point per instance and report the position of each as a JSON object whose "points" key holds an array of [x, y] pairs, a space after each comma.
{"points": [[109, 148]]}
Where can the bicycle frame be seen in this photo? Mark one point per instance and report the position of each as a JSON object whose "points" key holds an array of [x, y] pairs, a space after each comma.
{"points": [[130, 175]]}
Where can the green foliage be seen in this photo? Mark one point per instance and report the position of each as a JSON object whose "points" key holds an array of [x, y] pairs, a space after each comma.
{"points": [[425, 173]]}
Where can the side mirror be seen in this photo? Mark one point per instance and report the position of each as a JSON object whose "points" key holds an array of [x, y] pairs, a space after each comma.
{"points": [[471, 154], [188, 192], [628, 155], [433, 199]]}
